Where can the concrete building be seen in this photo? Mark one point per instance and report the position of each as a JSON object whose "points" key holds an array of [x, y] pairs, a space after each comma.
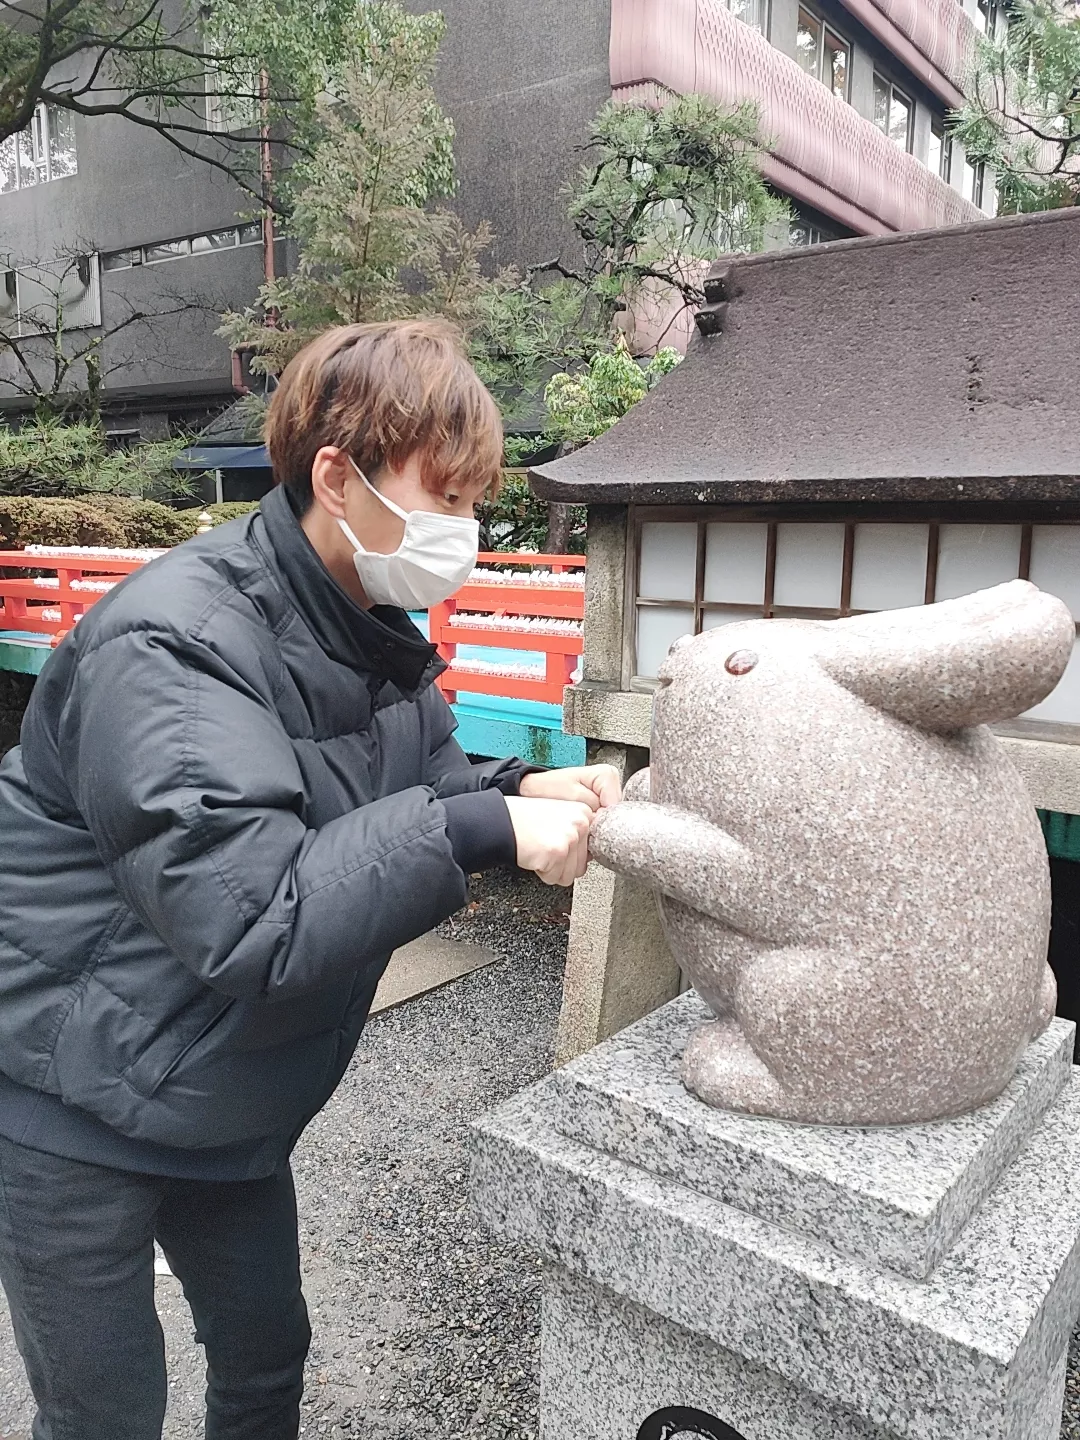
{"points": [[156, 231], [854, 95]]}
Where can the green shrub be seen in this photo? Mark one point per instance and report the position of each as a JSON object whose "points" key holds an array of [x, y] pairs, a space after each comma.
{"points": [[113, 520], [584, 405], [517, 520], [31, 520], [57, 459], [185, 523], [144, 523], [230, 510]]}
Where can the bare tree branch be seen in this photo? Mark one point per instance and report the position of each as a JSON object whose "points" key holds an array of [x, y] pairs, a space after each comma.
{"points": [[129, 61], [171, 133], [556, 267], [49, 355]]}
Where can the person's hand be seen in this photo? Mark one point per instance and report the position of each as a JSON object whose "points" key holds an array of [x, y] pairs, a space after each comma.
{"points": [[597, 786], [552, 837]]}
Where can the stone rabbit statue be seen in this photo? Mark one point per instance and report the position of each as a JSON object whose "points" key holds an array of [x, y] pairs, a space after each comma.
{"points": [[849, 868]]}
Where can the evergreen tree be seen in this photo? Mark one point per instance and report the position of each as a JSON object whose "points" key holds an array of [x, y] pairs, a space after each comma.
{"points": [[373, 241], [664, 191], [1023, 113]]}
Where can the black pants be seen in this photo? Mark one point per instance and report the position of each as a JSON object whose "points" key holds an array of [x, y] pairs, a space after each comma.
{"points": [[1065, 940], [77, 1264]]}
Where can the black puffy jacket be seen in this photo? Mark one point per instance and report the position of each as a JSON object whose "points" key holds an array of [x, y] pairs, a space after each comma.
{"points": [[233, 799]]}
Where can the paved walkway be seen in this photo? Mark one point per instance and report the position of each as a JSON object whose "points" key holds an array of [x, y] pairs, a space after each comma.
{"points": [[425, 965]]}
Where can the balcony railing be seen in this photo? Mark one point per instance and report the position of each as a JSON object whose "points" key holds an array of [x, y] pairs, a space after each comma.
{"points": [[934, 38]]}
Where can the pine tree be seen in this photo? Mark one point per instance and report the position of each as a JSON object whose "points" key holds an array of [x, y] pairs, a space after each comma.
{"points": [[1023, 113]]}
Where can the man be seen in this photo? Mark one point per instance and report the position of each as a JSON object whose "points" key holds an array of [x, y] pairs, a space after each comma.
{"points": [[237, 792]]}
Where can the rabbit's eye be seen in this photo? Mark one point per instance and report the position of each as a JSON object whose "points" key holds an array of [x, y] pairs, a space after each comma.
{"points": [[741, 662]]}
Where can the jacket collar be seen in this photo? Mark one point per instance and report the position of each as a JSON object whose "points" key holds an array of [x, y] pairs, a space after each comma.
{"points": [[382, 640]]}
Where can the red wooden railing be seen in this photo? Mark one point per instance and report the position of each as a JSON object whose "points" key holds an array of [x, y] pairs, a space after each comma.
{"points": [[484, 612], [498, 607], [50, 603]]}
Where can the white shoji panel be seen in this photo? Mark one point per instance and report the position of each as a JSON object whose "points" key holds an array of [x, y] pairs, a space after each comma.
{"points": [[809, 565], [974, 557], [1063, 704], [735, 563], [668, 561], [1055, 563], [711, 619], [658, 627], [889, 569]]}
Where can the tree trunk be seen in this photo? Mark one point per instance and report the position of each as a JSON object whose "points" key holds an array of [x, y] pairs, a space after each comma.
{"points": [[558, 531], [93, 387]]}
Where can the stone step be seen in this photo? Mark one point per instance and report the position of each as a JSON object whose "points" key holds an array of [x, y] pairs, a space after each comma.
{"points": [[424, 965], [897, 1197]]}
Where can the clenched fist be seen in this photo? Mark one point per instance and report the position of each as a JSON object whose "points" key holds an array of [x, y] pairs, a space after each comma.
{"points": [[594, 785], [552, 836]]}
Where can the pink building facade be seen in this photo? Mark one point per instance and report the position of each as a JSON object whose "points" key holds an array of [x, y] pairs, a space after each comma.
{"points": [[853, 97]]}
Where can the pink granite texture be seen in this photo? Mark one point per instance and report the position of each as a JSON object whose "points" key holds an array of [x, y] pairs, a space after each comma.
{"points": [[849, 869]]}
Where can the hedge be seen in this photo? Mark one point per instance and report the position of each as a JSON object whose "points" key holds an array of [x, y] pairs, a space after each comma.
{"points": [[516, 520], [111, 520]]}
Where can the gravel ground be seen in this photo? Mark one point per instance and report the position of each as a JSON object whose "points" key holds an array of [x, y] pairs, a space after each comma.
{"points": [[434, 1325], [1070, 1417], [425, 1327]]}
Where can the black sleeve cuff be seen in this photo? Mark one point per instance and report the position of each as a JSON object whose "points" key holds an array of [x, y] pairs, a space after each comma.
{"points": [[509, 781], [479, 830]]}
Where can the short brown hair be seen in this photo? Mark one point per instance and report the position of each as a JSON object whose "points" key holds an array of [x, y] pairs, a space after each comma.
{"points": [[383, 392]]}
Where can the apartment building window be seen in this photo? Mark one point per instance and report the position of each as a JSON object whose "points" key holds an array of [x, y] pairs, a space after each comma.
{"points": [[9, 296], [969, 181], [44, 151], [980, 187], [804, 231], [210, 240], [754, 13], [939, 155], [993, 19], [167, 250], [226, 109], [822, 52], [219, 240], [893, 113], [34, 298]]}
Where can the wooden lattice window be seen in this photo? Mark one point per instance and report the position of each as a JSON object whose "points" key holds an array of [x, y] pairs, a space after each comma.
{"points": [[693, 575]]}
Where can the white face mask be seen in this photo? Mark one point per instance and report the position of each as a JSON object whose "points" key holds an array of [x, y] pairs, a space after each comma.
{"points": [[436, 556]]}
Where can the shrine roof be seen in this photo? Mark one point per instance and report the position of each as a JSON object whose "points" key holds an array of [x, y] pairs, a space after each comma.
{"points": [[942, 365]]}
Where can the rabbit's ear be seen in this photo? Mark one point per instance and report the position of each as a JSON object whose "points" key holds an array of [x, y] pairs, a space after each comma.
{"points": [[983, 658]]}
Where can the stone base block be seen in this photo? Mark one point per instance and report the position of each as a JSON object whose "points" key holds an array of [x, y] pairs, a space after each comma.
{"points": [[897, 1196], [639, 1365], [720, 1262]]}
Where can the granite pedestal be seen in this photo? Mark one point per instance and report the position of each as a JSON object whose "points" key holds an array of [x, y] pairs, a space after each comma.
{"points": [[908, 1283]]}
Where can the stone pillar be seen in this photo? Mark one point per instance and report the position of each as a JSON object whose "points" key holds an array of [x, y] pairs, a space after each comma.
{"points": [[618, 966], [756, 1279], [605, 591]]}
